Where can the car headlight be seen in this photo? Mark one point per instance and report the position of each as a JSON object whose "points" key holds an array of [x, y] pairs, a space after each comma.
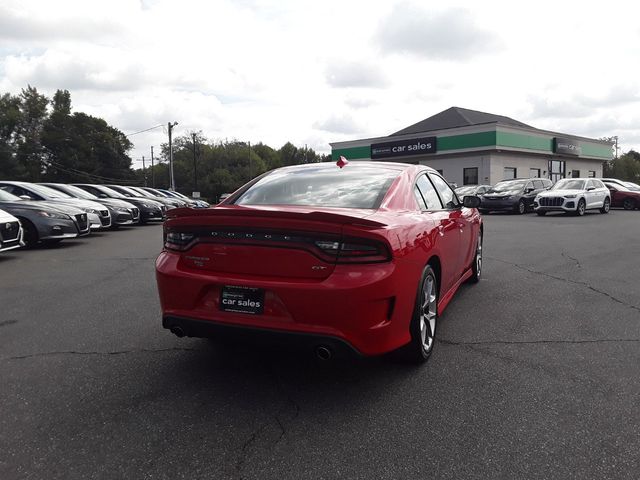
{"points": [[90, 210], [148, 205], [121, 209], [60, 216], [569, 196]]}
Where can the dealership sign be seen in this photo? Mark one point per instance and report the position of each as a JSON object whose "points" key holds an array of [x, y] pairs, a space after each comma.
{"points": [[565, 146], [401, 148]]}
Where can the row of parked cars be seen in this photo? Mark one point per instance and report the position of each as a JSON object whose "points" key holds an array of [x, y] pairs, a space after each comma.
{"points": [[569, 195], [47, 213]]}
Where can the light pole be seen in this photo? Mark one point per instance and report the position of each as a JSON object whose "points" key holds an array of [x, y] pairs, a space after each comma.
{"points": [[172, 181]]}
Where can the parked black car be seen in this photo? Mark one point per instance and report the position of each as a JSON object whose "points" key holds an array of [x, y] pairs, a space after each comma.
{"points": [[149, 209], [44, 222], [513, 195]]}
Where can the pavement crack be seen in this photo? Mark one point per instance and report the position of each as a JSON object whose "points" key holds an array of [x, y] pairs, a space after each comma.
{"points": [[8, 322], [574, 282], [566, 255], [96, 353]]}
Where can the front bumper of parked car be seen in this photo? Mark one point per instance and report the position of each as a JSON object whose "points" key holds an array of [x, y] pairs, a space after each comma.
{"points": [[10, 236], [493, 202], [554, 204]]}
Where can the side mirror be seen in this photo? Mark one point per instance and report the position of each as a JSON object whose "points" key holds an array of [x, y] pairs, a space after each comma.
{"points": [[26, 197], [590, 188], [471, 201], [528, 190], [102, 195]]}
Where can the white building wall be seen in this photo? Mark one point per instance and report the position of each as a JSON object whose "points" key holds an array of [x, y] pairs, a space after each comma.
{"points": [[453, 168]]}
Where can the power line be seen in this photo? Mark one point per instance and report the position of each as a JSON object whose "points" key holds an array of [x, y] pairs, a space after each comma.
{"points": [[142, 131], [73, 171]]}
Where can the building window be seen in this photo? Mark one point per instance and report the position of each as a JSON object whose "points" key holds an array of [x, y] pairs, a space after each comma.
{"points": [[575, 173], [592, 174], [470, 176], [510, 172], [534, 173], [557, 170]]}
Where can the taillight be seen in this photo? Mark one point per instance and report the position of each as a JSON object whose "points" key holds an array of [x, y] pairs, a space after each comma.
{"points": [[178, 240], [354, 251]]}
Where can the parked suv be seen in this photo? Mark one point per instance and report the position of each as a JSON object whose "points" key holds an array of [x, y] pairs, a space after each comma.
{"points": [[10, 232], [513, 195], [574, 195]]}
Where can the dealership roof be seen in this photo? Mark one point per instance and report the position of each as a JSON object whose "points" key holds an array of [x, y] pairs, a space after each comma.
{"points": [[457, 117]]}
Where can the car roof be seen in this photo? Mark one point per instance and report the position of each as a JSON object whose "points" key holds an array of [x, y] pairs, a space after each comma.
{"points": [[360, 163]]}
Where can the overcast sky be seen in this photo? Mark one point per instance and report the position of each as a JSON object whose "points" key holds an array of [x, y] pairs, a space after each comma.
{"points": [[313, 72]]}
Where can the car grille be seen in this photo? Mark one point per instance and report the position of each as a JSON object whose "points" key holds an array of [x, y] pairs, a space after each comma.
{"points": [[550, 201], [135, 213], [163, 209], [104, 213], [105, 221], [82, 221], [9, 231]]}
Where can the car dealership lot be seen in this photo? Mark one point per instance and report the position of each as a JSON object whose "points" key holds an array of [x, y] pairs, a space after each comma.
{"points": [[535, 373]]}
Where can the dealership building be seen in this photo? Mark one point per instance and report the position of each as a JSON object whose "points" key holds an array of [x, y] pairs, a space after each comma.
{"points": [[469, 147]]}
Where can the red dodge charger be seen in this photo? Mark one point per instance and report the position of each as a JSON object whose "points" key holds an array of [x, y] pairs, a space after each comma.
{"points": [[359, 257]]}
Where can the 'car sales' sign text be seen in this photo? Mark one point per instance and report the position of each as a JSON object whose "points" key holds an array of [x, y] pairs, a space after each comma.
{"points": [[401, 148]]}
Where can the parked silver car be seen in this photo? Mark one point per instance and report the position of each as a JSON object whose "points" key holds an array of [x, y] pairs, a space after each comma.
{"points": [[45, 222], [98, 214], [10, 232]]}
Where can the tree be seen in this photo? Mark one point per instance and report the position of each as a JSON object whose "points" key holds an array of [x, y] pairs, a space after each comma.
{"points": [[626, 167]]}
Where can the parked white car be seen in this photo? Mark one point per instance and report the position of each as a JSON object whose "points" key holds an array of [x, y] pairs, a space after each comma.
{"points": [[10, 232], [574, 195]]}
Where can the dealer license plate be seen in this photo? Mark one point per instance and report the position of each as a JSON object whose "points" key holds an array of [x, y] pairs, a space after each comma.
{"points": [[242, 300]]}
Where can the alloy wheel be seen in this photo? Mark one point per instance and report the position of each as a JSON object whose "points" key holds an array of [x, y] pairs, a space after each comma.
{"points": [[428, 313]]}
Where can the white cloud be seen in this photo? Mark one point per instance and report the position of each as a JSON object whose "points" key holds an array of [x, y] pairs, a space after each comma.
{"points": [[318, 72]]}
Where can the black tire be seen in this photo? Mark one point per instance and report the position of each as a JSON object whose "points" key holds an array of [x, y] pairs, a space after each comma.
{"points": [[606, 206], [476, 266], [521, 207], [423, 324], [629, 204], [582, 206], [542, 213], [30, 233]]}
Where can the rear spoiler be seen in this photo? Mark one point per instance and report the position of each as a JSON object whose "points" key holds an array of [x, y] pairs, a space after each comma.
{"points": [[269, 212]]}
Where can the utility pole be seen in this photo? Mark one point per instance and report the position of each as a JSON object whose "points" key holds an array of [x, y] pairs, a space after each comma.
{"points": [[153, 183], [144, 172], [195, 167], [616, 137], [172, 180], [250, 166]]}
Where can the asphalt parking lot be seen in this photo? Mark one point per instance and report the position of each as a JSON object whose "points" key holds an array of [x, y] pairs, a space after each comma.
{"points": [[536, 372]]}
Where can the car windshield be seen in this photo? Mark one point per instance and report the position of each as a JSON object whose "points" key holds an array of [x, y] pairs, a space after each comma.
{"points": [[569, 184], [8, 197], [77, 192], [109, 191], [617, 186], [508, 186], [350, 187], [633, 187], [466, 190], [129, 192], [141, 192], [47, 192]]}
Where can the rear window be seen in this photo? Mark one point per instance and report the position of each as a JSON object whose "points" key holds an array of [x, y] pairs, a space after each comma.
{"points": [[349, 187]]}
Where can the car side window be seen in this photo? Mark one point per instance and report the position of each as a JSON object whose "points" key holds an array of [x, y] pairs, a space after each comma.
{"points": [[429, 194], [447, 195], [529, 186], [591, 183], [481, 190], [421, 204], [538, 184]]}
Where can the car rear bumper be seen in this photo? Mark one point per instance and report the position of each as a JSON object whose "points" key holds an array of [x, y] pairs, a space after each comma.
{"points": [[367, 307], [299, 340]]}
